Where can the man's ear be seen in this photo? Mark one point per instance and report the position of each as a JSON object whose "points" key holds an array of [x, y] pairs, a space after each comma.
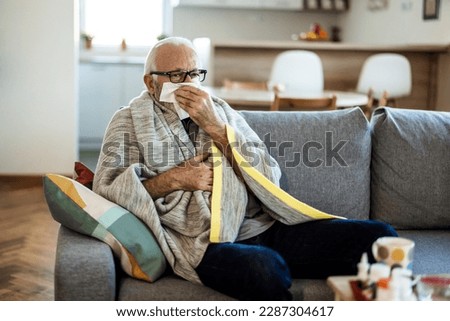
{"points": [[148, 80]]}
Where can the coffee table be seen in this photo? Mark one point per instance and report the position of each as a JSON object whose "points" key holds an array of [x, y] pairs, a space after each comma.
{"points": [[341, 287]]}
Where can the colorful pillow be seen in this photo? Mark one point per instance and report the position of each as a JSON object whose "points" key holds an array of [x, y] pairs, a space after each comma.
{"points": [[78, 208], [83, 175]]}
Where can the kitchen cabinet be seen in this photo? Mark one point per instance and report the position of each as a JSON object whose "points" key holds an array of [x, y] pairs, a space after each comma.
{"points": [[103, 89], [326, 5]]}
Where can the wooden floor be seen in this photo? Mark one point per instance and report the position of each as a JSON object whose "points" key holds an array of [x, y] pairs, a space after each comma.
{"points": [[27, 243]]}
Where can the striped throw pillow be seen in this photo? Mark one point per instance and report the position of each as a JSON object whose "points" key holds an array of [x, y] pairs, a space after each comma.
{"points": [[78, 208]]}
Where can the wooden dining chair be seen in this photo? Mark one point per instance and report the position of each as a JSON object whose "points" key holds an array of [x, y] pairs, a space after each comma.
{"points": [[304, 104], [373, 103]]}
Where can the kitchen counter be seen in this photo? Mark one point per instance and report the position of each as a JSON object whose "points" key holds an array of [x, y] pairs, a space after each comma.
{"points": [[335, 46]]}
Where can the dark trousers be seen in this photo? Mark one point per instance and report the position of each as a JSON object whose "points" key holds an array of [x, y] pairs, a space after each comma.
{"points": [[262, 267]]}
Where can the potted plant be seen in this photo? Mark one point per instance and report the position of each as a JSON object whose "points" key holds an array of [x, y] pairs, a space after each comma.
{"points": [[87, 38]]}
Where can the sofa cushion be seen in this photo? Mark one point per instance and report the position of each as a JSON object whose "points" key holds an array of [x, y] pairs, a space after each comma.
{"points": [[431, 250], [167, 288], [324, 157], [411, 168], [80, 209]]}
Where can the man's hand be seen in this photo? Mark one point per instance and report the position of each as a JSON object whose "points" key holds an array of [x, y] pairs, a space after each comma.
{"points": [[195, 174], [200, 107], [191, 175]]}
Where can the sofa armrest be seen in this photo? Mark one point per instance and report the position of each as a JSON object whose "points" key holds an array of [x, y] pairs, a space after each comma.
{"points": [[84, 268]]}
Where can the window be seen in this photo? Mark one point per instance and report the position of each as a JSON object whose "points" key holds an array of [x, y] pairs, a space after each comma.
{"points": [[139, 22]]}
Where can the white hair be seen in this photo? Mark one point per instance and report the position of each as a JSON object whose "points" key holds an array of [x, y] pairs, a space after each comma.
{"points": [[151, 57]]}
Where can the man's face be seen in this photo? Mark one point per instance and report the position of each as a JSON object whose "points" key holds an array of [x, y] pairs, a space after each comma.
{"points": [[170, 58]]}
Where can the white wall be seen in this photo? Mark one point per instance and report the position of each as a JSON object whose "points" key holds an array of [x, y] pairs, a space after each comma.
{"points": [[400, 23], [224, 24], [38, 87]]}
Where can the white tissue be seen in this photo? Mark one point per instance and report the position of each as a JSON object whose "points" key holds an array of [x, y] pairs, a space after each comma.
{"points": [[168, 95]]}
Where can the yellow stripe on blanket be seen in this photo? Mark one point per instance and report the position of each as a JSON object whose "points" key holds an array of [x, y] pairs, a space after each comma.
{"points": [[216, 199]]}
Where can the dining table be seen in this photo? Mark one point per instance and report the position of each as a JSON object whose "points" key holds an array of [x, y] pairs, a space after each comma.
{"points": [[256, 99]]}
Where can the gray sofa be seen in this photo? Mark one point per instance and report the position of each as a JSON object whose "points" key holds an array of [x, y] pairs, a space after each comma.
{"points": [[395, 168]]}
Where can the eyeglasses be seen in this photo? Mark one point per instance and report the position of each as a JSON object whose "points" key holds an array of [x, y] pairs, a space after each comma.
{"points": [[178, 76]]}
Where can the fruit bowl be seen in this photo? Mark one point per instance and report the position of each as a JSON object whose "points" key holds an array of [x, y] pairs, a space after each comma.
{"points": [[316, 33]]}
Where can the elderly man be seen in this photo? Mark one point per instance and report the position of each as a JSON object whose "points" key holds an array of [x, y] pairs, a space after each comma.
{"points": [[203, 181]]}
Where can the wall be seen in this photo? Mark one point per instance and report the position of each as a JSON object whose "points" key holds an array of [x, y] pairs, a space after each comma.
{"points": [[400, 23], [38, 100], [244, 24]]}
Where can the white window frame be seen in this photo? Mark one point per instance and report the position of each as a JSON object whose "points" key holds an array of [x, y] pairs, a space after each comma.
{"points": [[113, 48]]}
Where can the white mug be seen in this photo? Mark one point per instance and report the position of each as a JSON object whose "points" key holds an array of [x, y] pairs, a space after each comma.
{"points": [[394, 251]]}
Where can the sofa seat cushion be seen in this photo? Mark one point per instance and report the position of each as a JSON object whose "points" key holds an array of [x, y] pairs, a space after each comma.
{"points": [[167, 288], [173, 288], [324, 157], [411, 168], [431, 250], [311, 290]]}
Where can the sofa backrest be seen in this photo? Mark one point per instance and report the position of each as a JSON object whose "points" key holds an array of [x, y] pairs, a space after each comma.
{"points": [[410, 186], [324, 156]]}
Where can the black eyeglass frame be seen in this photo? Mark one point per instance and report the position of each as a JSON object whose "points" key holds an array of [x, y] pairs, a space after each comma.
{"points": [[170, 74]]}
